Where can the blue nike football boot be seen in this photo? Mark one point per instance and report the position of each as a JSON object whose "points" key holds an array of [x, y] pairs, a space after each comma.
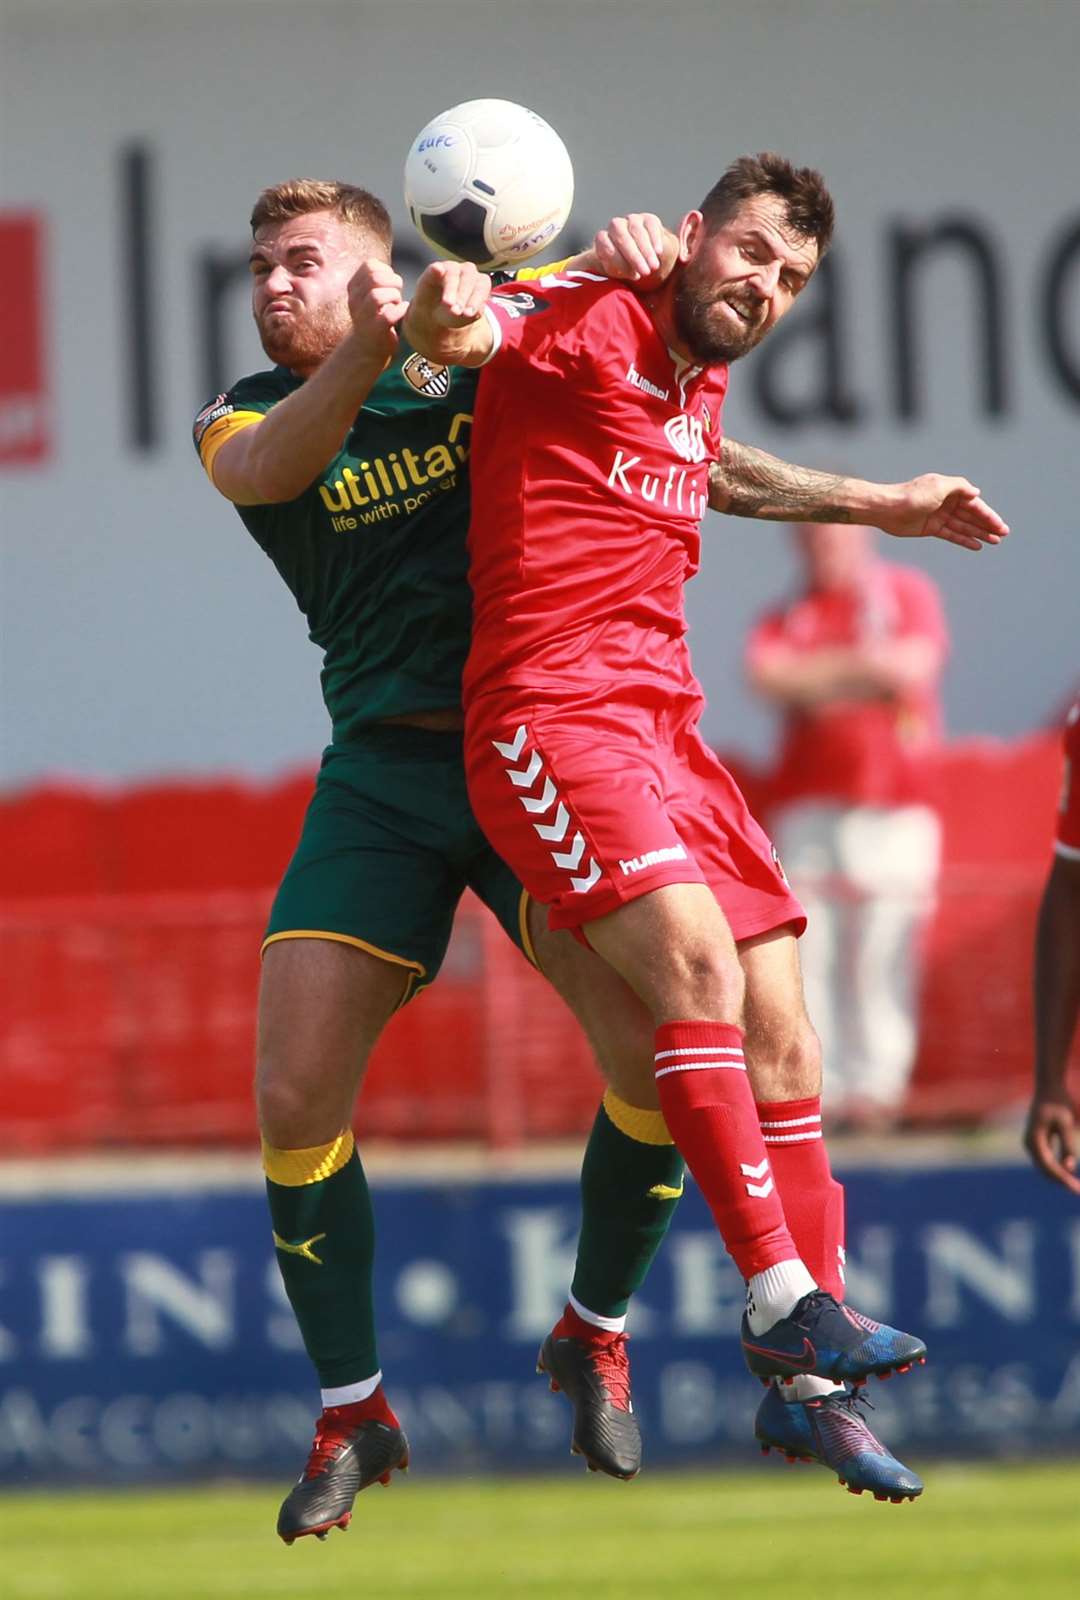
{"points": [[830, 1430], [829, 1340]]}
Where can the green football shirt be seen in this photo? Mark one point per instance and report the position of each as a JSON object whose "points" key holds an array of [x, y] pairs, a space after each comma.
{"points": [[374, 550]]}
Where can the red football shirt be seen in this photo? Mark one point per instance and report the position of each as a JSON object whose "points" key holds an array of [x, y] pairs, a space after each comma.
{"points": [[589, 471], [868, 752], [1067, 842]]}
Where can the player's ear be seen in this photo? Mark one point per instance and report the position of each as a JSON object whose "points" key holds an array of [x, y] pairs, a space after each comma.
{"points": [[691, 233]]}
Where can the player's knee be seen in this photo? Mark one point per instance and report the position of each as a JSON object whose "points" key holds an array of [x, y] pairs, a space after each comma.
{"points": [[293, 1114], [276, 1105], [801, 1063], [784, 1063], [703, 982]]}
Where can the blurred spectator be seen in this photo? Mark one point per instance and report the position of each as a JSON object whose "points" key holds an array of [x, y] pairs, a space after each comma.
{"points": [[1052, 1125], [853, 661]]}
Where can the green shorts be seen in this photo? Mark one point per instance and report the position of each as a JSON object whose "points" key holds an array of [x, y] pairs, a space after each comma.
{"points": [[388, 847]]}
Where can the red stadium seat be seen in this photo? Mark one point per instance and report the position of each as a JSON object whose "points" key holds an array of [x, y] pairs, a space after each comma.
{"points": [[129, 938]]}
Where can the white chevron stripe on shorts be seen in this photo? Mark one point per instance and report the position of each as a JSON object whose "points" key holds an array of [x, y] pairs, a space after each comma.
{"points": [[572, 859]]}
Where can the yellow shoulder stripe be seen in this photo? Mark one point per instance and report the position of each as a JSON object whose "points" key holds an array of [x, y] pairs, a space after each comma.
{"points": [[530, 274], [217, 433]]}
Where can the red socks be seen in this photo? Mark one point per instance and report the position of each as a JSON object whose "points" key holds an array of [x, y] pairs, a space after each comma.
{"points": [[571, 1326], [812, 1199], [375, 1408], [708, 1105]]}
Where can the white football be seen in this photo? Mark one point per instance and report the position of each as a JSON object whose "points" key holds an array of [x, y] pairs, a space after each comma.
{"points": [[490, 182]]}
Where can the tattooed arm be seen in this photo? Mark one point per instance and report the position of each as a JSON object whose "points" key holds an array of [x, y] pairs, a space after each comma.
{"points": [[747, 482]]}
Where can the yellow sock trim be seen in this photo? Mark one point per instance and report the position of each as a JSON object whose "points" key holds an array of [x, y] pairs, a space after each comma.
{"points": [[523, 927], [293, 1168], [645, 1127]]}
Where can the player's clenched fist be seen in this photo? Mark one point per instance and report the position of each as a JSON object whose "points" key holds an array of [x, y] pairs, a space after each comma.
{"points": [[445, 318], [636, 248], [376, 305], [451, 293]]}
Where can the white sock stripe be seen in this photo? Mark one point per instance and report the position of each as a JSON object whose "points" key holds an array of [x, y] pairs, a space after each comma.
{"points": [[792, 1122], [701, 1066], [791, 1138], [349, 1393], [702, 1050], [771, 1294], [608, 1324]]}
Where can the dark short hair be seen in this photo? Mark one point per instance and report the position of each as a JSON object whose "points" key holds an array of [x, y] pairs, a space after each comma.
{"points": [[297, 197], [809, 206]]}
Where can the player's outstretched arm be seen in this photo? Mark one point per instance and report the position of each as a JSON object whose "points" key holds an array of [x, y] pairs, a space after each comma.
{"points": [[747, 482], [1052, 1125], [276, 459], [445, 319]]}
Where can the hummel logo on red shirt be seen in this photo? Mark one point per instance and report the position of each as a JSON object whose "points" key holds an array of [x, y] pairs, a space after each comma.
{"points": [[645, 384]]}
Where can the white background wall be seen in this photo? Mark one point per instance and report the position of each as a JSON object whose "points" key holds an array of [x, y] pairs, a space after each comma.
{"points": [[142, 629]]}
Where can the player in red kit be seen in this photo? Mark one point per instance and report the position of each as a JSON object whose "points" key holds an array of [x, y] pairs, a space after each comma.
{"points": [[852, 661], [597, 447]]}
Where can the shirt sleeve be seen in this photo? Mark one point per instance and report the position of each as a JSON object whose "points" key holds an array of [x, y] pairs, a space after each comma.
{"points": [[531, 317], [1067, 838], [225, 415], [534, 274]]}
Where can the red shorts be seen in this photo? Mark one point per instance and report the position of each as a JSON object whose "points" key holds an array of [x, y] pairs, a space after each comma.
{"points": [[594, 802]]}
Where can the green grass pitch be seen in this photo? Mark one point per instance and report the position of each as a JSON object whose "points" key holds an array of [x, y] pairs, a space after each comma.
{"points": [[984, 1532]]}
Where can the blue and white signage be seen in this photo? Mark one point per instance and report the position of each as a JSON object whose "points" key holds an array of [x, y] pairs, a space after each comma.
{"points": [[147, 1335]]}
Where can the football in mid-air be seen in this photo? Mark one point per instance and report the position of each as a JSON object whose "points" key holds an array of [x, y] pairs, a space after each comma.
{"points": [[489, 182]]}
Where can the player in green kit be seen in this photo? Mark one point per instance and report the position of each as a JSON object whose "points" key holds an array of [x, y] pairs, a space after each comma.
{"points": [[346, 463]]}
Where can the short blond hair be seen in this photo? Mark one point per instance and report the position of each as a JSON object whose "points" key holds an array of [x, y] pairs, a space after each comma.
{"points": [[298, 196]]}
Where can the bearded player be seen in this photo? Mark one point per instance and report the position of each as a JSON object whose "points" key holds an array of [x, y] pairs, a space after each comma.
{"points": [[597, 448]]}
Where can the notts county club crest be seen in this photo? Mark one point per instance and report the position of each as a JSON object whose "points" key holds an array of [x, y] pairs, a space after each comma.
{"points": [[427, 377]]}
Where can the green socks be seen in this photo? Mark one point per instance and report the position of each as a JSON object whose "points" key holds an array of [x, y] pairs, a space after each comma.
{"points": [[324, 1233], [631, 1180]]}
